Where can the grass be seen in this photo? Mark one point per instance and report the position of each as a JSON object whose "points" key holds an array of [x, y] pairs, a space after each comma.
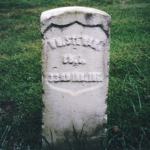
{"points": [[129, 88]]}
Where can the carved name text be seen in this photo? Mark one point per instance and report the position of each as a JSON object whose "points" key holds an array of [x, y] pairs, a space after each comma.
{"points": [[76, 40]]}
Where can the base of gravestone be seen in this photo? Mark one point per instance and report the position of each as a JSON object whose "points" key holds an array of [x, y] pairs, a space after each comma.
{"points": [[76, 144], [75, 139]]}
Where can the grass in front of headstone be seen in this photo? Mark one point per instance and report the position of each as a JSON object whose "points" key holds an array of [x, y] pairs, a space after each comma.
{"points": [[129, 78]]}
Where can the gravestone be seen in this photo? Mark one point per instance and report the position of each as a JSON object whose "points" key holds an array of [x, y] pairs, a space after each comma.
{"points": [[75, 71]]}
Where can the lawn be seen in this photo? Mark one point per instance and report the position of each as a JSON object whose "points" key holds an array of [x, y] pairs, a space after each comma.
{"points": [[129, 76]]}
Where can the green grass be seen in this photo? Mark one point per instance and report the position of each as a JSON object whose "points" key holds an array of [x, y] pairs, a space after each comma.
{"points": [[129, 80]]}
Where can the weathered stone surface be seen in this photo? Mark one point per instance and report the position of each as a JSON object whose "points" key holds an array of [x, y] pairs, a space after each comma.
{"points": [[75, 67]]}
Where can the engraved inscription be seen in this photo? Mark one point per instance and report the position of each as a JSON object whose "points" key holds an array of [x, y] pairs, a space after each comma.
{"points": [[76, 40], [74, 77], [73, 59]]}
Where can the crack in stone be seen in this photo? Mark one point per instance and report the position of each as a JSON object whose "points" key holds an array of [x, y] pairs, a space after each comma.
{"points": [[67, 25]]}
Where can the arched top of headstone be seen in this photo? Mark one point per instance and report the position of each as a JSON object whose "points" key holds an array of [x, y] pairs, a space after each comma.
{"points": [[66, 16]]}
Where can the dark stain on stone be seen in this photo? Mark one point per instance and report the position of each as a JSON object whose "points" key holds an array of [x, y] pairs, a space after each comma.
{"points": [[88, 16]]}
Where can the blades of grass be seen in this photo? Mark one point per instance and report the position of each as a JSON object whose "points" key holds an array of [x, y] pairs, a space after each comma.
{"points": [[89, 145], [124, 143], [68, 141], [132, 148], [80, 135], [49, 145], [139, 100], [75, 134], [141, 141], [93, 146], [98, 144], [143, 131], [105, 144], [52, 139], [109, 142], [6, 135], [134, 108], [144, 134], [139, 71], [5, 132]]}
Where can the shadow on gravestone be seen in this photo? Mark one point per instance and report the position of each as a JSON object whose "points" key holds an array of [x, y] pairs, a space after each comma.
{"points": [[75, 71]]}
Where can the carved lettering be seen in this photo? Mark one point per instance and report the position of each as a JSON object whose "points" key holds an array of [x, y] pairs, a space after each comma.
{"points": [[74, 77], [76, 40], [82, 76], [85, 40], [90, 41], [98, 77], [75, 59], [56, 77], [62, 77], [94, 77], [70, 59], [68, 77], [68, 40], [94, 44], [59, 42], [50, 77], [52, 44]]}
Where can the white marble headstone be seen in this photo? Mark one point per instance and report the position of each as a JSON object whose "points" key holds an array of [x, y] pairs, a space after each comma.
{"points": [[75, 70]]}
